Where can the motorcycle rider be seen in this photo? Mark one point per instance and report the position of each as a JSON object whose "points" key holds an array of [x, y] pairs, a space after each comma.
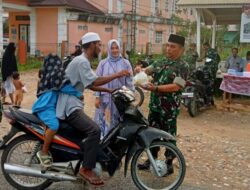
{"points": [[169, 77], [213, 67], [191, 56], [70, 108], [212, 54]]}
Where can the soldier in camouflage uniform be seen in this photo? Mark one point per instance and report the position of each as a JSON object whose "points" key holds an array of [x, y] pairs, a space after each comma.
{"points": [[212, 54], [169, 75], [191, 56]]}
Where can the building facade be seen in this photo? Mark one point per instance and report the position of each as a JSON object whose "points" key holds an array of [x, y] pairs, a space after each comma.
{"points": [[52, 26]]}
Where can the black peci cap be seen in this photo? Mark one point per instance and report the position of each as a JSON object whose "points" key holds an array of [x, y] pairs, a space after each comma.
{"points": [[177, 39]]}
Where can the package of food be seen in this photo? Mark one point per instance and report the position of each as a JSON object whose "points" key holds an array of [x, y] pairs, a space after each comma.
{"points": [[140, 78]]}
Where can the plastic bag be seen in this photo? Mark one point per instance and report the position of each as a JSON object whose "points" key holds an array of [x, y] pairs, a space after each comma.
{"points": [[140, 79], [25, 90]]}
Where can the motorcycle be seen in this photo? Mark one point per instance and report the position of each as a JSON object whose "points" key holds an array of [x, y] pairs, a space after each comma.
{"points": [[132, 139], [198, 92]]}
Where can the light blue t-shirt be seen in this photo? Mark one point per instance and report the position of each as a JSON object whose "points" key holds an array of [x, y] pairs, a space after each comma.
{"points": [[81, 76]]}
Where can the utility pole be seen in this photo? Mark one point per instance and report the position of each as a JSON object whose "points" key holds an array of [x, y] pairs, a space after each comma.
{"points": [[133, 26]]}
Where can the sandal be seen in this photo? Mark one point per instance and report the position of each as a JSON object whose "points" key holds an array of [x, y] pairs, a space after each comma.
{"points": [[45, 160], [91, 177]]}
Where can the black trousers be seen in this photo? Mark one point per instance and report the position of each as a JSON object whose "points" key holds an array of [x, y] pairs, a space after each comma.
{"points": [[79, 120]]}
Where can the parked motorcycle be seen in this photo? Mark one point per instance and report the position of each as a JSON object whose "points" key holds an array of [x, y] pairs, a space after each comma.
{"points": [[198, 92], [132, 139]]}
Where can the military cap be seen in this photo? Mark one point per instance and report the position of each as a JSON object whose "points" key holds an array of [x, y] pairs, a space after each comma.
{"points": [[177, 39]]}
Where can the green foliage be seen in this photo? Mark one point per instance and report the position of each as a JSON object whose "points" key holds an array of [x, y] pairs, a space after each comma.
{"points": [[94, 63], [32, 63], [136, 57], [206, 34]]}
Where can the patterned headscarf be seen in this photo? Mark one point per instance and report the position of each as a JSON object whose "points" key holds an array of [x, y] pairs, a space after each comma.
{"points": [[52, 74], [110, 57]]}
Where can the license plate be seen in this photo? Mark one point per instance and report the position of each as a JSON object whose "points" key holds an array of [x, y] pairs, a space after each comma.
{"points": [[188, 94]]}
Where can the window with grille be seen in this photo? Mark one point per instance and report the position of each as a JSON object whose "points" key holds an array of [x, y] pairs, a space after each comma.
{"points": [[109, 29], [156, 6], [158, 37], [191, 11], [175, 5], [82, 27], [166, 5]]}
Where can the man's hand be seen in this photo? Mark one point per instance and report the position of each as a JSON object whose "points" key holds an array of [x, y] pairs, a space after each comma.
{"points": [[97, 102], [149, 86], [123, 73], [110, 90]]}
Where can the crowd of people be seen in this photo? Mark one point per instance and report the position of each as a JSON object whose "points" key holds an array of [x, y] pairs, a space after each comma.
{"points": [[234, 61], [60, 91]]}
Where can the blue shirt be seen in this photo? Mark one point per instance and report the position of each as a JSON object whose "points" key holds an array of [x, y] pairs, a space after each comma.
{"points": [[235, 63]]}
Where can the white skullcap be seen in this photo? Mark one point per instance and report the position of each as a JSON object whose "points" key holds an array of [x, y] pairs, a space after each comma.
{"points": [[90, 37]]}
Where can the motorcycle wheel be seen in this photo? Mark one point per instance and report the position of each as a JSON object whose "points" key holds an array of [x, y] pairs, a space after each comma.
{"points": [[192, 108], [147, 179], [17, 152], [139, 96]]}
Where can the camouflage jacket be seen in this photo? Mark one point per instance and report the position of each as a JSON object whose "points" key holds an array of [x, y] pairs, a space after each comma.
{"points": [[212, 54], [164, 72], [191, 57]]}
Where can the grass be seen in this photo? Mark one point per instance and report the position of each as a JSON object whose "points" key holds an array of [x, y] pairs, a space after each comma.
{"points": [[32, 63]]}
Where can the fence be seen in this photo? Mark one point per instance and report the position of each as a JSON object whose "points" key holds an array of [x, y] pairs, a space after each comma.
{"points": [[40, 50]]}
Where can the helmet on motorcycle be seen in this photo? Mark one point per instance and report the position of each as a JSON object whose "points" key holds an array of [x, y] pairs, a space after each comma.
{"points": [[122, 99]]}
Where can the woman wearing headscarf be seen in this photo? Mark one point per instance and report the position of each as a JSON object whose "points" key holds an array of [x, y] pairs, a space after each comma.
{"points": [[50, 84], [9, 65], [106, 114]]}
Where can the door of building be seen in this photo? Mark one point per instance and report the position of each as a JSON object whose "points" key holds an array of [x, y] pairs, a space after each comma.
{"points": [[24, 34]]}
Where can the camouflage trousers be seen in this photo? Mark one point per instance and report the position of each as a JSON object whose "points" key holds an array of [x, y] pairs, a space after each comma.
{"points": [[165, 124]]}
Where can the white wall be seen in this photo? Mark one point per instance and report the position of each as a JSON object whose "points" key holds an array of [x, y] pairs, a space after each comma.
{"points": [[1, 28], [33, 31], [62, 25]]}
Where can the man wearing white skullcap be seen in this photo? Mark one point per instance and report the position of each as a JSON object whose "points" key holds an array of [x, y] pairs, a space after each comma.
{"points": [[70, 108], [90, 37]]}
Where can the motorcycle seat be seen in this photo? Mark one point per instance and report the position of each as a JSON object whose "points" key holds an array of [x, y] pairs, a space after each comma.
{"points": [[27, 114]]}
